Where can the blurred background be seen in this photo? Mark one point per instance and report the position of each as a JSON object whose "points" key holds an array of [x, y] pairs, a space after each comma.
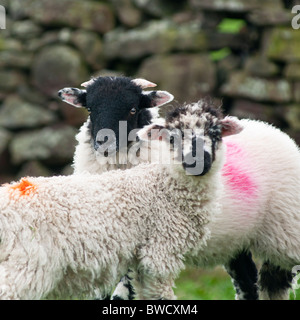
{"points": [[244, 54]]}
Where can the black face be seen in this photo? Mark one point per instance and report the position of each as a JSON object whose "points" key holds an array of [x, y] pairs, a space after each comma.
{"points": [[111, 100]]}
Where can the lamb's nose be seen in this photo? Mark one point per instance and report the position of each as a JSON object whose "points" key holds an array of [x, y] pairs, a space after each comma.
{"points": [[99, 143]]}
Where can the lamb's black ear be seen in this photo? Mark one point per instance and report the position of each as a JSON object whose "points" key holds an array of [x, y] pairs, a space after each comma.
{"points": [[158, 98], [73, 96]]}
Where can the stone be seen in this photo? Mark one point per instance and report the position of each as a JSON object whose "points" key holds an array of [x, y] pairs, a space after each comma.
{"points": [[154, 37], [107, 73], [127, 13], [238, 41], [259, 66], [3, 95], [15, 59], [234, 5], [258, 89], [270, 17], [11, 79], [64, 65], [227, 65], [296, 91], [292, 71], [89, 15], [72, 116], [159, 8], [283, 44], [33, 169], [187, 76], [32, 95], [62, 36], [5, 137], [6, 177], [52, 145], [67, 170], [242, 108], [292, 116], [26, 29], [5, 3], [90, 45], [16, 113], [8, 44]]}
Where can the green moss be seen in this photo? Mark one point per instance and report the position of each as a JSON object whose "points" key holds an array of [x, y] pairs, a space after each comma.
{"points": [[284, 44], [231, 25], [218, 55]]}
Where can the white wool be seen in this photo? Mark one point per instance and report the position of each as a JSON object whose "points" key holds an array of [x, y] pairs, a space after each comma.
{"points": [[65, 236]]}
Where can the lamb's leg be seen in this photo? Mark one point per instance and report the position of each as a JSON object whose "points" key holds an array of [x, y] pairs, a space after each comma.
{"points": [[244, 276], [124, 289], [274, 282], [23, 281], [150, 287]]}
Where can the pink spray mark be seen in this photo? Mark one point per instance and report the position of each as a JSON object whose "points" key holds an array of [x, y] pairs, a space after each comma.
{"points": [[237, 176]]}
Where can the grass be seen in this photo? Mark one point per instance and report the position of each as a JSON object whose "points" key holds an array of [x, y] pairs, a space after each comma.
{"points": [[199, 284]]}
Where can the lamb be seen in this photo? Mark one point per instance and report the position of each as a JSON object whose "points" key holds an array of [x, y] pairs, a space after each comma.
{"points": [[260, 209], [117, 107], [65, 236], [112, 101]]}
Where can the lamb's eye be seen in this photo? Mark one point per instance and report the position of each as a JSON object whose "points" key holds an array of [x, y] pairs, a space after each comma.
{"points": [[133, 111]]}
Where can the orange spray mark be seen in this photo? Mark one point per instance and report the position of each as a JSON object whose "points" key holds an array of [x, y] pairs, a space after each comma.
{"points": [[22, 188]]}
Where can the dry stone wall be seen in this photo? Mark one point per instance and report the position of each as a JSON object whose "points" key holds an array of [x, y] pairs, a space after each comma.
{"points": [[244, 54]]}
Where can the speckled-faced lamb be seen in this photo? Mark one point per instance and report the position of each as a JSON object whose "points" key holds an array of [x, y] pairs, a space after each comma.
{"points": [[260, 183], [65, 236], [118, 107]]}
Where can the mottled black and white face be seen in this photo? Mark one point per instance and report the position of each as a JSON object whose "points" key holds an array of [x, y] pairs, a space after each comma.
{"points": [[117, 107], [195, 133], [202, 132]]}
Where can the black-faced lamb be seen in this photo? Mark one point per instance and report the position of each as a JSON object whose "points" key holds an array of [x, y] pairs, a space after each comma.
{"points": [[65, 236], [117, 107]]}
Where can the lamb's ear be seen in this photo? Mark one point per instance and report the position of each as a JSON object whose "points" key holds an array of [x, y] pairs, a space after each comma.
{"points": [[75, 97], [152, 131], [230, 126], [143, 83], [158, 98]]}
